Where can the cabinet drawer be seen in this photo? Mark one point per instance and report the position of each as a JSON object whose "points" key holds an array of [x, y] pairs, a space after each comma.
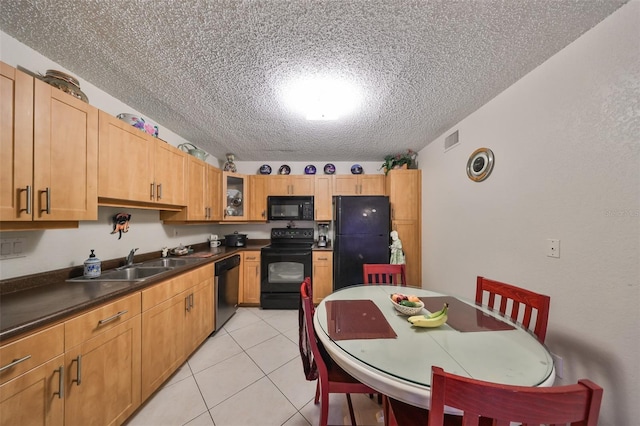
{"points": [[34, 350], [168, 289], [101, 319]]}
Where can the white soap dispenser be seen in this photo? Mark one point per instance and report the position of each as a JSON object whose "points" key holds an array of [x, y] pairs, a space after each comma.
{"points": [[92, 266]]}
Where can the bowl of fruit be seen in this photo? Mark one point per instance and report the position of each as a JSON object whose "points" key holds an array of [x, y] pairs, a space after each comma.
{"points": [[407, 304]]}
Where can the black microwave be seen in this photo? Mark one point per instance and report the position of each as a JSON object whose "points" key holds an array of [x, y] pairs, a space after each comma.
{"points": [[290, 207]]}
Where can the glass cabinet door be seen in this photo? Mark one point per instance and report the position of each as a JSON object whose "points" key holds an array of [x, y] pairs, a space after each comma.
{"points": [[234, 197]]}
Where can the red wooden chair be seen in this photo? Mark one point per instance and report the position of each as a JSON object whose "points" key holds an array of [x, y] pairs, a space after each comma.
{"points": [[518, 297], [384, 274], [494, 404], [578, 404], [331, 378]]}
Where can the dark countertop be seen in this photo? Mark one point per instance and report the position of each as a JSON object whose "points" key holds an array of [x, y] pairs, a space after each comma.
{"points": [[34, 301], [31, 302]]}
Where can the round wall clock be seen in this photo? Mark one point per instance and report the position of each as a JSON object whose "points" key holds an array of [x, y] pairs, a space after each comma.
{"points": [[480, 164]]}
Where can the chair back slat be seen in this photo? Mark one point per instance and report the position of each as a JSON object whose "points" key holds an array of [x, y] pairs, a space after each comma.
{"points": [[576, 404], [510, 298], [384, 274]]}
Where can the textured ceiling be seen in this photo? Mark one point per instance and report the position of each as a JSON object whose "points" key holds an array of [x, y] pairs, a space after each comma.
{"points": [[214, 71]]}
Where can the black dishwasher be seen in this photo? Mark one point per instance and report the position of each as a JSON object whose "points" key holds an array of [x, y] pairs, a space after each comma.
{"points": [[226, 286]]}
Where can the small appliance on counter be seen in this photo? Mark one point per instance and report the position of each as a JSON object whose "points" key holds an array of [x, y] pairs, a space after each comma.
{"points": [[323, 232], [92, 266], [235, 240]]}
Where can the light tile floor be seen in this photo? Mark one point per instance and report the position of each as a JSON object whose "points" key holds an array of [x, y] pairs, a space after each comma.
{"points": [[248, 373]]}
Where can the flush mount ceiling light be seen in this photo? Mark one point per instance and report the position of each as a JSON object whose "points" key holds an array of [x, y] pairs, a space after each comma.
{"points": [[322, 98]]}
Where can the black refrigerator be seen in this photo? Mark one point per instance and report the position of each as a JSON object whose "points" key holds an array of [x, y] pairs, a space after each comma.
{"points": [[361, 235]]}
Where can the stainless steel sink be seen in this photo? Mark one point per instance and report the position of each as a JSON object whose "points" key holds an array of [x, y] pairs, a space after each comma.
{"points": [[171, 262], [134, 273]]}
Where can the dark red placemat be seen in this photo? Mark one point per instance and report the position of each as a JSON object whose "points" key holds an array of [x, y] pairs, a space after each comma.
{"points": [[464, 317], [357, 319]]}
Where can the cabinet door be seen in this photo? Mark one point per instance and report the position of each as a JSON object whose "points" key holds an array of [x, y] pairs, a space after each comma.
{"points": [[302, 185], [200, 314], [65, 165], [404, 190], [170, 171], [323, 198], [279, 185], [16, 144], [258, 198], [214, 193], [372, 185], [125, 161], [197, 190], [345, 185], [36, 397], [322, 275], [103, 377], [233, 194], [162, 341], [251, 276]]}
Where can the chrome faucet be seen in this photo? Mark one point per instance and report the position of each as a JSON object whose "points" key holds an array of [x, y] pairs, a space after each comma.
{"points": [[130, 257]]}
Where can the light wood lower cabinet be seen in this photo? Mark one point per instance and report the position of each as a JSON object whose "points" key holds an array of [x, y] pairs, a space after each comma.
{"points": [[177, 316], [102, 364], [32, 379], [250, 278], [322, 275]]}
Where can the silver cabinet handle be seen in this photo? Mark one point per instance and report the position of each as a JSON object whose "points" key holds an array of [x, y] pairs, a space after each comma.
{"points": [[153, 191], [323, 258], [191, 301], [159, 191], [15, 362], [47, 208], [28, 191], [187, 306], [60, 392], [111, 318], [78, 360]]}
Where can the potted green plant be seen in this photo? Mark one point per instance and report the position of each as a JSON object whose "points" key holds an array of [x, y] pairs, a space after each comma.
{"points": [[397, 161]]}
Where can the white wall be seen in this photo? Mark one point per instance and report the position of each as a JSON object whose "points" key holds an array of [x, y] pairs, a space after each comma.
{"points": [[566, 139]]}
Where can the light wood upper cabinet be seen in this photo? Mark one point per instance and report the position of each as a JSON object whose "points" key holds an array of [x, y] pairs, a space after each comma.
{"points": [[404, 188], [16, 144], [358, 185], [138, 169], [234, 187], [323, 198], [258, 198], [203, 189], [291, 185], [49, 155]]}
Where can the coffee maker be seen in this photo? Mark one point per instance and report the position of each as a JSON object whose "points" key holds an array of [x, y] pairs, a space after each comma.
{"points": [[323, 231]]}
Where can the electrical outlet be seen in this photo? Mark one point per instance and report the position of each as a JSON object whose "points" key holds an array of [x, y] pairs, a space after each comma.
{"points": [[12, 247], [553, 248], [175, 232], [558, 363]]}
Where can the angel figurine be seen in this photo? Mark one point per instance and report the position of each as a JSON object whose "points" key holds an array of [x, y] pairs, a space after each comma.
{"points": [[397, 255]]}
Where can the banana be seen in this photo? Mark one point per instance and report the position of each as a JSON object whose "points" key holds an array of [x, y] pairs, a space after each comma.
{"points": [[440, 312], [431, 322], [434, 319]]}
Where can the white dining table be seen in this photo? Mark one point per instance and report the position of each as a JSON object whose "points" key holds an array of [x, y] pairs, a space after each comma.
{"points": [[400, 367]]}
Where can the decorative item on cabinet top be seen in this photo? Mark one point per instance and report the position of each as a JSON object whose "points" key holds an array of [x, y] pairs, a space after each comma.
{"points": [[357, 169], [406, 159], [310, 170], [265, 169], [284, 170], [193, 150], [139, 123], [229, 165], [64, 82], [329, 169]]}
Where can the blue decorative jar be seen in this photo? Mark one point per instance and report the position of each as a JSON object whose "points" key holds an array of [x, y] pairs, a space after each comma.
{"points": [[310, 170], [356, 169]]}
